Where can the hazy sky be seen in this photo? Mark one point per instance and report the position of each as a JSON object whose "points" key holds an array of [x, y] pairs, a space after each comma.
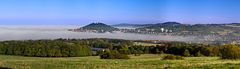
{"points": [[77, 12]]}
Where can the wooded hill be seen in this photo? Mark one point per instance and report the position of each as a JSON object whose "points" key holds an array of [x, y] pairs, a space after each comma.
{"points": [[99, 27], [196, 29]]}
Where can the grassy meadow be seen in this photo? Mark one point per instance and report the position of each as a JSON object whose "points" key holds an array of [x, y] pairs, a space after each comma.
{"points": [[147, 61]]}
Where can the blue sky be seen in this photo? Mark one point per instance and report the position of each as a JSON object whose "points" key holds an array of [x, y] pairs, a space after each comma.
{"points": [[76, 12]]}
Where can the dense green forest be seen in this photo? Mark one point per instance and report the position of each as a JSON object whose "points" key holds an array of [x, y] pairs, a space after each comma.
{"points": [[56, 48], [117, 47], [44, 48]]}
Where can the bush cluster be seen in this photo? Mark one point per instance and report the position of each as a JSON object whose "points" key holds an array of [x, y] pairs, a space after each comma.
{"points": [[107, 54], [230, 52], [172, 57]]}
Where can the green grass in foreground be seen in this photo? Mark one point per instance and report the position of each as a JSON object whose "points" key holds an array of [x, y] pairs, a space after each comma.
{"points": [[147, 61]]}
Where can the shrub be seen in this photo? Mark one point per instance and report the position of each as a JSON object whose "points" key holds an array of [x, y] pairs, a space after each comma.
{"points": [[198, 54], [172, 57], [186, 53], [230, 52], [113, 55], [137, 52], [210, 50]]}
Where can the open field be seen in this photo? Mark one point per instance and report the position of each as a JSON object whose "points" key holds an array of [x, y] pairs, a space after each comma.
{"points": [[147, 61]]}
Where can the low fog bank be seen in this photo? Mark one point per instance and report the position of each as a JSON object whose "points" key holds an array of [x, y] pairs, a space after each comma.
{"points": [[55, 32], [36, 27]]}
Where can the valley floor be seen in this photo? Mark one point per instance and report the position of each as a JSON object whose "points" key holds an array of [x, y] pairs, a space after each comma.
{"points": [[147, 61]]}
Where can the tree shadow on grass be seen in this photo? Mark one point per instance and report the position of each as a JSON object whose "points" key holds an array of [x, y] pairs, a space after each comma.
{"points": [[5, 68]]}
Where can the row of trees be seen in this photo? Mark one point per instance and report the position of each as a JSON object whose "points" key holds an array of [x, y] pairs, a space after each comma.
{"points": [[44, 48], [230, 51], [82, 47], [182, 49], [113, 54], [58, 47]]}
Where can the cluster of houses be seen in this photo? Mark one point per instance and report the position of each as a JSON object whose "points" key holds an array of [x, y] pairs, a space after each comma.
{"points": [[153, 31], [148, 31]]}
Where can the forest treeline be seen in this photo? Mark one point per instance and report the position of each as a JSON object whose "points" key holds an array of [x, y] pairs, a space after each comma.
{"points": [[57, 47], [83, 47], [44, 48]]}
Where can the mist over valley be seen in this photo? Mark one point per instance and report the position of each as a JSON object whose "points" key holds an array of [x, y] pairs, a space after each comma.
{"points": [[29, 32]]}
